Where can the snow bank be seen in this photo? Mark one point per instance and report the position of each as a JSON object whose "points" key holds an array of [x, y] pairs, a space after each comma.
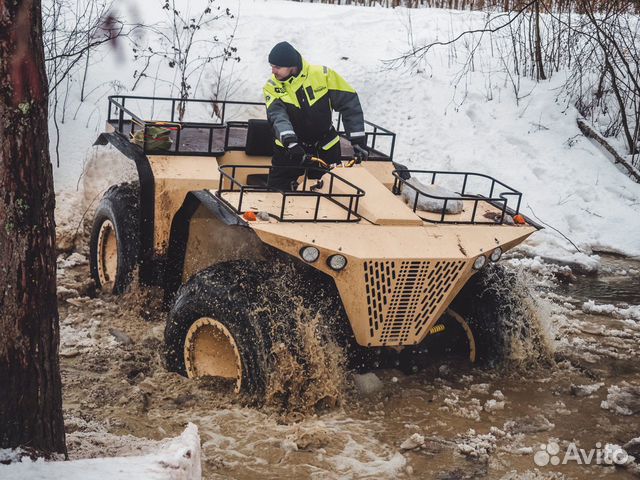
{"points": [[177, 459]]}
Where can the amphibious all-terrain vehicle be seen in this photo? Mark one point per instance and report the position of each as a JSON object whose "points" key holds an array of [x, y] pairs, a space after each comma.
{"points": [[237, 258]]}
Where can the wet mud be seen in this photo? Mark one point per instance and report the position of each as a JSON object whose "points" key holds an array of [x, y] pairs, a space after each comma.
{"points": [[450, 420]]}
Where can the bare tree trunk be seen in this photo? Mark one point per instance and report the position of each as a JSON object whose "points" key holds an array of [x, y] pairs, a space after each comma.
{"points": [[538, 44], [31, 398]]}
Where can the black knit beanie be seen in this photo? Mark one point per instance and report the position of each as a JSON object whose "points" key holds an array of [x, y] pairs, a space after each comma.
{"points": [[284, 55]]}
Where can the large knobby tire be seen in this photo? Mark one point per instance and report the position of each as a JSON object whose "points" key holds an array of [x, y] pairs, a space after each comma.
{"points": [[491, 322], [115, 238], [236, 320], [500, 311], [214, 305]]}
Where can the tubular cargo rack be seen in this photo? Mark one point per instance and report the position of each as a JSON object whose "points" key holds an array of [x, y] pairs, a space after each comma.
{"points": [[492, 208], [217, 137], [336, 201]]}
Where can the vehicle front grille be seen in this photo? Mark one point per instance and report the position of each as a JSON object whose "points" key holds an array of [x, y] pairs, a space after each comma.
{"points": [[404, 295]]}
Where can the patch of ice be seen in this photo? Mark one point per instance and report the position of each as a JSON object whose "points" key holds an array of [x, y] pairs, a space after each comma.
{"points": [[493, 405], [623, 399], [471, 410], [626, 313], [476, 446], [72, 260], [498, 395], [414, 441], [77, 339], [585, 390], [480, 388]]}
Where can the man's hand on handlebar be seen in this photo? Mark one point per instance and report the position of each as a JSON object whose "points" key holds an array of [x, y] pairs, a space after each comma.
{"points": [[360, 154], [296, 153], [360, 150]]}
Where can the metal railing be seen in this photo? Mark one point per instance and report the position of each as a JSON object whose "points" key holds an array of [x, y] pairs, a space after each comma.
{"points": [[347, 202], [124, 119], [374, 133], [500, 202]]}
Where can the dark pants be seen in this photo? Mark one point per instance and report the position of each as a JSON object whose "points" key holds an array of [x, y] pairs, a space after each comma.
{"points": [[286, 172]]}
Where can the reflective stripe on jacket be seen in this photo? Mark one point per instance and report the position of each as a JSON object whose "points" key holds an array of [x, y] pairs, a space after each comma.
{"points": [[303, 104]]}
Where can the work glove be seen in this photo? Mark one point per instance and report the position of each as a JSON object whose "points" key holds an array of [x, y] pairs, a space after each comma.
{"points": [[360, 150], [294, 149], [296, 154]]}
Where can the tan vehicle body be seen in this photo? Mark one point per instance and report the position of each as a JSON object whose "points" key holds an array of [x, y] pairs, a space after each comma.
{"points": [[402, 269]]}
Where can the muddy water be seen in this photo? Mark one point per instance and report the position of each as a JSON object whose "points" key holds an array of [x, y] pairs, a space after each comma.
{"points": [[448, 421], [618, 282]]}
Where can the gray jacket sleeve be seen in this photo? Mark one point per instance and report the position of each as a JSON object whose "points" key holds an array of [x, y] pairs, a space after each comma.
{"points": [[279, 119], [348, 104]]}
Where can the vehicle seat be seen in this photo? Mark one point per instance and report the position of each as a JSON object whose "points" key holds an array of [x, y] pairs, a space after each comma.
{"points": [[257, 179], [259, 138]]}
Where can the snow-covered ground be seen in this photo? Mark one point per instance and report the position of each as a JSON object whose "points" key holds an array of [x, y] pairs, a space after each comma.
{"points": [[173, 459], [533, 145]]}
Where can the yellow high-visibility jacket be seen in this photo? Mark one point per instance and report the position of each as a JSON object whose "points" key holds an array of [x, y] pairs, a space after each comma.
{"points": [[302, 105]]}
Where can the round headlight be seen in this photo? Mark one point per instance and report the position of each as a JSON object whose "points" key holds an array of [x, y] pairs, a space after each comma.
{"points": [[479, 263], [337, 262], [496, 254], [310, 254]]}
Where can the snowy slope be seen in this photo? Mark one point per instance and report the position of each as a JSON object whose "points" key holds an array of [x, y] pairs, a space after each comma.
{"points": [[533, 146]]}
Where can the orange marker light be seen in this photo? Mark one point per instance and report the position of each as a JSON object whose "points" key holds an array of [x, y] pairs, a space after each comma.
{"points": [[249, 216], [519, 219]]}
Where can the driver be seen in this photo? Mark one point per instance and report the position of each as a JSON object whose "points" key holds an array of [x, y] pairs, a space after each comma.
{"points": [[300, 98]]}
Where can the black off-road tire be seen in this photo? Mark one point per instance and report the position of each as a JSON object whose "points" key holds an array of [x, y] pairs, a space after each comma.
{"points": [[255, 302], [225, 293], [498, 310], [116, 218], [494, 303]]}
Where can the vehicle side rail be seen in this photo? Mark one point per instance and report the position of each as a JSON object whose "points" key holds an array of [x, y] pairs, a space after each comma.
{"points": [[374, 134], [347, 202], [507, 200], [215, 137]]}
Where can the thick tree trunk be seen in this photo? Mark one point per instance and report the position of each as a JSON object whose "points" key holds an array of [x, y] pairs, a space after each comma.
{"points": [[30, 385]]}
